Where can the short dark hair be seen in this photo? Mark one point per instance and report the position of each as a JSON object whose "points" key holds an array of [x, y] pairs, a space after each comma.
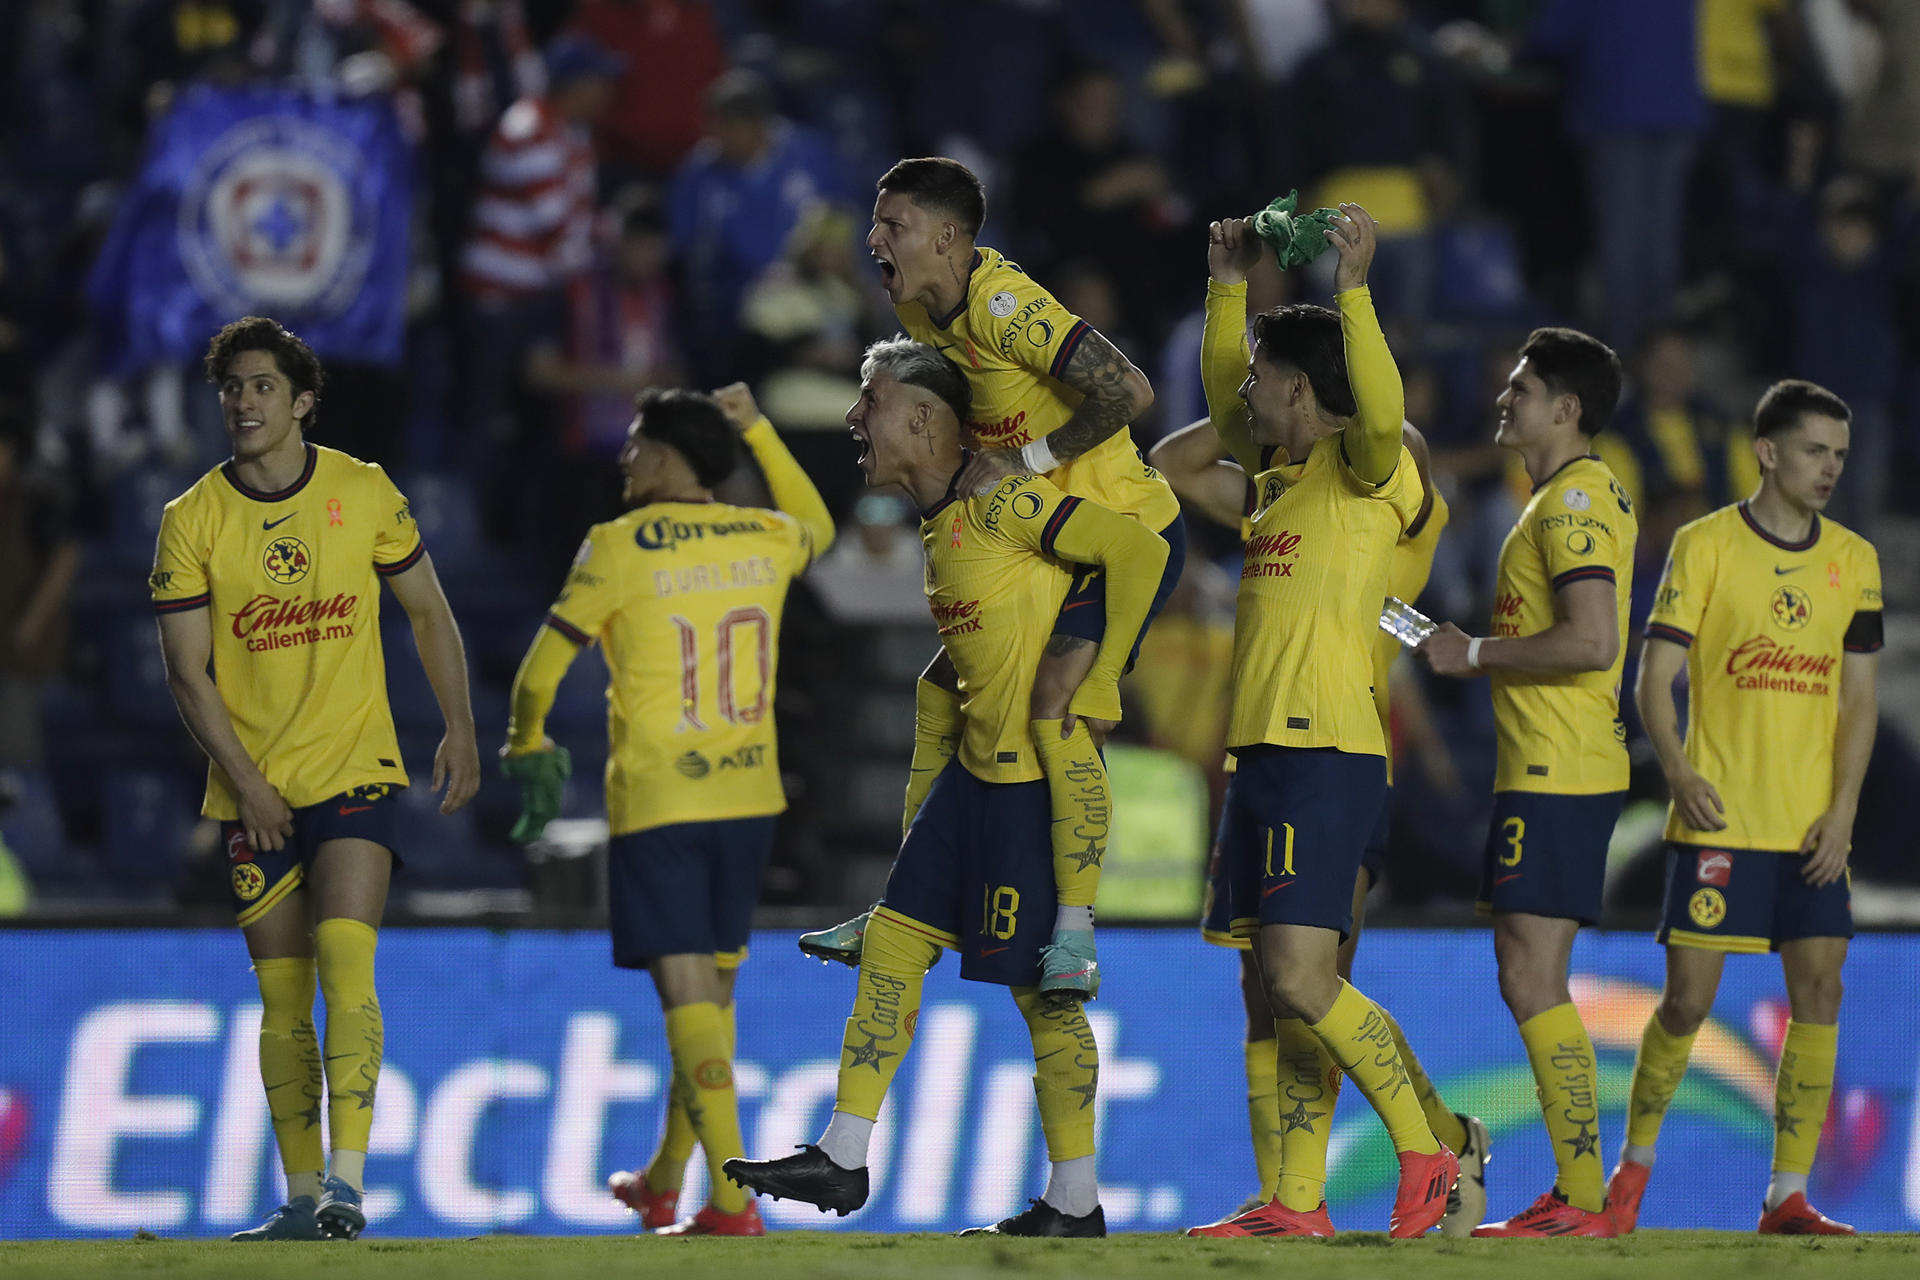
{"points": [[693, 423], [941, 186], [1786, 402], [917, 364], [292, 356], [1577, 364], [1309, 338]]}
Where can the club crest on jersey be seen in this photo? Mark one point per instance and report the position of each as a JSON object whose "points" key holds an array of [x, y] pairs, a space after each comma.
{"points": [[287, 560], [1707, 907], [1715, 867], [1274, 488], [1001, 305], [1792, 608], [1576, 499]]}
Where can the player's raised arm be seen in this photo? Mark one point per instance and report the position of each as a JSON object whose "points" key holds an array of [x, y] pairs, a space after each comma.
{"points": [[1373, 450], [792, 489], [1232, 251], [456, 763], [1192, 459]]}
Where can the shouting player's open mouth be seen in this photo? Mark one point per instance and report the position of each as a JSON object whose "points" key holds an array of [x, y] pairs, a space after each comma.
{"points": [[863, 448], [888, 272]]}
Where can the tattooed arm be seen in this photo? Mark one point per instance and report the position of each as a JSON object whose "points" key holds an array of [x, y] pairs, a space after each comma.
{"points": [[1115, 392]]}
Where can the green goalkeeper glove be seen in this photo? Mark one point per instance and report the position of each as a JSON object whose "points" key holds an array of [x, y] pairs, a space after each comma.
{"points": [[1297, 238], [542, 776]]}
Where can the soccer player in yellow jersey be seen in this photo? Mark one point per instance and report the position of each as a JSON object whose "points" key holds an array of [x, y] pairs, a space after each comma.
{"points": [[1565, 578], [686, 594], [1050, 396], [1191, 460], [975, 871], [1316, 421], [268, 569], [1775, 614]]}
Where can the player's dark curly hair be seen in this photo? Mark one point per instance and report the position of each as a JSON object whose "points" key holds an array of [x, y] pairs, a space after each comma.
{"points": [[693, 423], [292, 356], [1306, 337], [1577, 364], [1786, 402], [941, 186]]}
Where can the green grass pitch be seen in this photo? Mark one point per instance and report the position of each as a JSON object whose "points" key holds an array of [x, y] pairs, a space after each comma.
{"points": [[1696, 1255]]}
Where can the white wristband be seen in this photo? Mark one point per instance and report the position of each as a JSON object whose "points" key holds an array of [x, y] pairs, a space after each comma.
{"points": [[1473, 651], [1037, 458]]}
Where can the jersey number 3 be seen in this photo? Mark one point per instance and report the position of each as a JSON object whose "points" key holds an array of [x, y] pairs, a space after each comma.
{"points": [[727, 640]]}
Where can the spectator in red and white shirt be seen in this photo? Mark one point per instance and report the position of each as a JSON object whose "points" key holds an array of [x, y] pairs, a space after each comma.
{"points": [[533, 219]]}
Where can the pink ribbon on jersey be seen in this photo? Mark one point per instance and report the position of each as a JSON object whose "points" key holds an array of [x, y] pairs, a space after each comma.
{"points": [[333, 512]]}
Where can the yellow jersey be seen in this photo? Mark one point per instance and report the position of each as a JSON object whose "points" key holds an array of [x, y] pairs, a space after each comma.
{"points": [[1563, 733], [1012, 340], [686, 597], [1308, 610], [292, 580], [995, 584], [1408, 569], [1765, 624]]}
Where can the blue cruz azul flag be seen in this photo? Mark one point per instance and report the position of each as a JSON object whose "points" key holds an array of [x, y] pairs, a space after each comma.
{"points": [[261, 200]]}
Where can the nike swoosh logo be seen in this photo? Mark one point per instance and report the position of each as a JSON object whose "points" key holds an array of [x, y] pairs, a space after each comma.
{"points": [[1503, 879], [1267, 893], [271, 524], [362, 808], [992, 951], [1778, 571]]}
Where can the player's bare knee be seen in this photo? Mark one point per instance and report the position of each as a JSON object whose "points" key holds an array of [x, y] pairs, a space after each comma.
{"points": [[1815, 997], [1682, 1013]]}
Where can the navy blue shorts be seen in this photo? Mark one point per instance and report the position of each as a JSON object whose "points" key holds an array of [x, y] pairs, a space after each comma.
{"points": [[976, 868], [1374, 860], [1547, 854], [687, 888], [1748, 900], [257, 882], [1295, 828], [1084, 612], [1216, 913]]}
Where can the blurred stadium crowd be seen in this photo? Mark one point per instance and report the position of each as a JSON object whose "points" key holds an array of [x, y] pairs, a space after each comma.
{"points": [[609, 195]]}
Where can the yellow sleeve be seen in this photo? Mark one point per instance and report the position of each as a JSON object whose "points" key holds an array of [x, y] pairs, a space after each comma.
{"points": [[1684, 587], [793, 491], [179, 578], [1578, 537], [1374, 450], [396, 538], [592, 592], [1025, 324], [541, 671], [1223, 367], [1030, 512]]}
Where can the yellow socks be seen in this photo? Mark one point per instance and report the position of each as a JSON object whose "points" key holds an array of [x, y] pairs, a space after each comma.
{"points": [[937, 725], [1066, 1073], [1309, 1084], [1082, 811], [1801, 1092], [701, 1049], [1445, 1124], [356, 1034], [290, 1068], [668, 1168], [1563, 1070], [1657, 1071], [894, 958], [1355, 1034], [1263, 1112]]}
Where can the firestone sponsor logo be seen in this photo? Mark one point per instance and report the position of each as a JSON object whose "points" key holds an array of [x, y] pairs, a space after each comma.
{"points": [[268, 622]]}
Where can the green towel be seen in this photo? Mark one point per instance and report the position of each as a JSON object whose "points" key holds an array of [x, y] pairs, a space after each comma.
{"points": [[542, 776], [1297, 238]]}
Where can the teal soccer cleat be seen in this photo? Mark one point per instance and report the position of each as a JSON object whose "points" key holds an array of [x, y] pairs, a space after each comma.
{"points": [[293, 1220], [339, 1214], [840, 944], [1068, 970]]}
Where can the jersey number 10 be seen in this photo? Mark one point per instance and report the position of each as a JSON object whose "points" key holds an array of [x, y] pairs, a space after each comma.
{"points": [[731, 707]]}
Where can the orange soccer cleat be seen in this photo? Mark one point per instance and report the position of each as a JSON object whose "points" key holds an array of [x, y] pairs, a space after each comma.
{"points": [[711, 1222], [1271, 1219], [1551, 1215], [656, 1208], [1624, 1189], [1795, 1217], [1421, 1201]]}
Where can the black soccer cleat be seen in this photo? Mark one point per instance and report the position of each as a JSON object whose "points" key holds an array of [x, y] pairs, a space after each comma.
{"points": [[809, 1176], [1042, 1219]]}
